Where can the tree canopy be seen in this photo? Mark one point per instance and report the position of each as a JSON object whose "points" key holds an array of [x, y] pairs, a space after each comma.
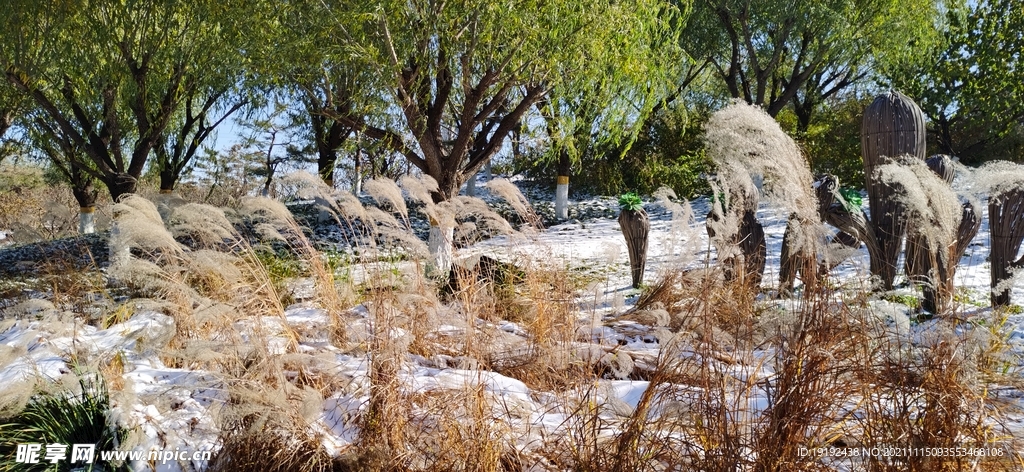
{"points": [[772, 53], [972, 85], [111, 78], [109, 88], [462, 75]]}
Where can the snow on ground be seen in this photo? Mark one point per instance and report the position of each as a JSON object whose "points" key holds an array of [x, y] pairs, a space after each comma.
{"points": [[174, 407]]}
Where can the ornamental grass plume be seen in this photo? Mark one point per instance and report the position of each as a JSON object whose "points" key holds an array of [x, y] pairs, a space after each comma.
{"points": [[511, 194], [386, 190], [930, 206], [140, 226], [682, 241], [744, 141], [419, 188], [931, 212]]}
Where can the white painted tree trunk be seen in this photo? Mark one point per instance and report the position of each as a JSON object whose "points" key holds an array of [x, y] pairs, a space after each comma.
{"points": [[562, 198], [487, 170], [442, 249], [357, 185], [471, 186], [86, 220], [120, 252]]}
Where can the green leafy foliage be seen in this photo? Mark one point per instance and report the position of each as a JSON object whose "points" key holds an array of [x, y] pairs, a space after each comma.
{"points": [[280, 265], [630, 202], [668, 152], [831, 141], [117, 81], [65, 417], [852, 197], [970, 87], [910, 301], [773, 53]]}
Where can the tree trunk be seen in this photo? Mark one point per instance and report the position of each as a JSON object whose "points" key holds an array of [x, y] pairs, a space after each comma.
{"points": [[440, 242], [562, 198], [562, 187], [85, 194], [448, 183], [86, 220], [325, 162], [357, 173], [121, 184], [168, 179], [636, 226]]}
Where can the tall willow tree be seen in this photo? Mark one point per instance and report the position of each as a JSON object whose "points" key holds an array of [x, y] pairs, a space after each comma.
{"points": [[204, 107], [335, 85], [585, 112], [773, 52], [113, 77], [462, 75]]}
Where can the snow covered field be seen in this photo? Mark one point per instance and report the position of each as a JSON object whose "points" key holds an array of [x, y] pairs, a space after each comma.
{"points": [[177, 408]]}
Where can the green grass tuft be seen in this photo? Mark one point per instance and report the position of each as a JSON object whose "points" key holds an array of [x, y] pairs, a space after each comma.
{"points": [[64, 417]]}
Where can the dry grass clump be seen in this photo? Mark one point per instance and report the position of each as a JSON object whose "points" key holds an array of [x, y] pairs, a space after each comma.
{"points": [[386, 191], [271, 440], [737, 384], [815, 360], [470, 428], [931, 395], [138, 225], [218, 293], [702, 302], [823, 374], [328, 294], [996, 177]]}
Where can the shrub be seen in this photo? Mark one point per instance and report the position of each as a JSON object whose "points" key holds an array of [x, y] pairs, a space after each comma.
{"points": [[667, 153], [64, 417], [831, 142]]}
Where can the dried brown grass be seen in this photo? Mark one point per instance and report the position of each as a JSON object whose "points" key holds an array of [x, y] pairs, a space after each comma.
{"points": [[825, 373]]}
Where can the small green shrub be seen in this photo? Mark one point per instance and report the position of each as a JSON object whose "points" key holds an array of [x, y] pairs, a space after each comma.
{"points": [[280, 265], [852, 197], [630, 202], [339, 263], [831, 141], [668, 152], [910, 301], [64, 418]]}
